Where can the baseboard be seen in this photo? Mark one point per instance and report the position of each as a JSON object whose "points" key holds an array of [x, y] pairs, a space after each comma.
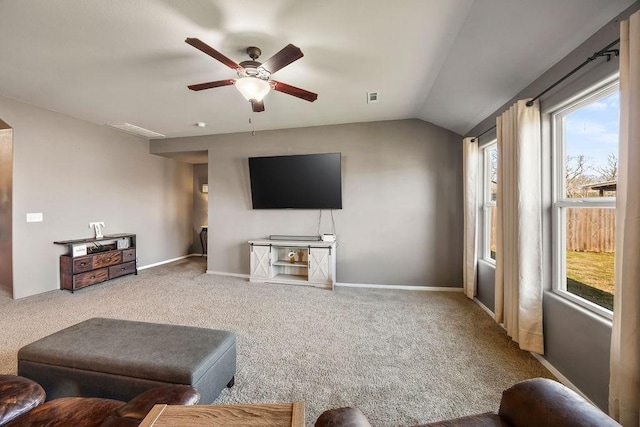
{"points": [[223, 273], [399, 287], [144, 267], [361, 285], [564, 380]]}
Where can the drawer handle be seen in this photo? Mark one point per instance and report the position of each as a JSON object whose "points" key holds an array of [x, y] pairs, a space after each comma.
{"points": [[109, 259], [122, 269], [83, 263], [92, 277]]}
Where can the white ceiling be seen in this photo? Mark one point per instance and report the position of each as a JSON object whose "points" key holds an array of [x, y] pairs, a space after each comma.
{"points": [[449, 62]]}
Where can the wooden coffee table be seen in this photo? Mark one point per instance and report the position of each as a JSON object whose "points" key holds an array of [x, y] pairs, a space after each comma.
{"points": [[277, 414]]}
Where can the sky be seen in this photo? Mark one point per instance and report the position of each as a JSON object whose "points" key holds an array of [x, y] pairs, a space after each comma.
{"points": [[593, 130]]}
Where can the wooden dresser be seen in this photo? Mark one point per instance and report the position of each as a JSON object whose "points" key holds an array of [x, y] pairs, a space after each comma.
{"points": [[91, 261]]}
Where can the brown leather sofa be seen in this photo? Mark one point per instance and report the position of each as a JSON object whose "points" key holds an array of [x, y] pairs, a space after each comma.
{"points": [[539, 402], [21, 404]]}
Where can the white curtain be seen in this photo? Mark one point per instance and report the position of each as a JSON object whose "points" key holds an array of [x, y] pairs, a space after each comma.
{"points": [[519, 226], [470, 191], [624, 386]]}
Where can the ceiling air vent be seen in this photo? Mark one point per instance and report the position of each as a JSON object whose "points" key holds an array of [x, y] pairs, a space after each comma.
{"points": [[373, 97], [136, 130]]}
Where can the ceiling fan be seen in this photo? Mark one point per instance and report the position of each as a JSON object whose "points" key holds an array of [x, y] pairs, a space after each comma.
{"points": [[253, 80]]}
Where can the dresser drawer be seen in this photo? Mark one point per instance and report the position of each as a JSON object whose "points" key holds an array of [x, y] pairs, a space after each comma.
{"points": [[128, 255], [82, 264], [107, 258], [90, 278], [122, 269]]}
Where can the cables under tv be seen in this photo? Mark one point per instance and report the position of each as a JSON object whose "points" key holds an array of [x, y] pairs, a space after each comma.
{"points": [[333, 223]]}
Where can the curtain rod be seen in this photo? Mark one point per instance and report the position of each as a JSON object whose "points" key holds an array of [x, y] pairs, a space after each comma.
{"points": [[605, 51], [486, 131]]}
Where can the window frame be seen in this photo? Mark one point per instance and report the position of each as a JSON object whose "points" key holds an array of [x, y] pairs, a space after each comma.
{"points": [[560, 202], [487, 203]]}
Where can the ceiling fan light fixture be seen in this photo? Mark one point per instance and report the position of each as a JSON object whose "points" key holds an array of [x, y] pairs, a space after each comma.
{"points": [[253, 88]]}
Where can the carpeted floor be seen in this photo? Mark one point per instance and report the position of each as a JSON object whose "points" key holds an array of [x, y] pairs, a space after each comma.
{"points": [[403, 357]]}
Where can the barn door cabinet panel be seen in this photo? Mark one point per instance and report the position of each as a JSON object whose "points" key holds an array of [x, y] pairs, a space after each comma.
{"points": [[91, 261], [310, 263], [260, 262], [320, 265]]}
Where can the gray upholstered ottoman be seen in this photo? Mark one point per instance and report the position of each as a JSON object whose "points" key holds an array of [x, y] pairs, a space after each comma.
{"points": [[120, 359]]}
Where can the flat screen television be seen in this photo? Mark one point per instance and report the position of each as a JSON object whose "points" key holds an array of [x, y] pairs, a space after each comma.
{"points": [[308, 181]]}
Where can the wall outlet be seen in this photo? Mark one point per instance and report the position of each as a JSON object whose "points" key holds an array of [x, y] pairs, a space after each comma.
{"points": [[34, 217]]}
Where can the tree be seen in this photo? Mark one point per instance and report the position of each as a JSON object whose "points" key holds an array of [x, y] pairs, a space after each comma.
{"points": [[576, 175], [493, 171], [609, 172]]}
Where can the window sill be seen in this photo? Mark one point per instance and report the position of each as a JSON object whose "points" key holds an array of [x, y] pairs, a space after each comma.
{"points": [[584, 304], [488, 262]]}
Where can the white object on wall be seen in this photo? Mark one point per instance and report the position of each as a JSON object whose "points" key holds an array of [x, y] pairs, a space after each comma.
{"points": [[34, 217]]}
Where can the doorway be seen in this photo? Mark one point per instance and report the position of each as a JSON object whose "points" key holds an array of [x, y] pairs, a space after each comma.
{"points": [[6, 210], [200, 208]]}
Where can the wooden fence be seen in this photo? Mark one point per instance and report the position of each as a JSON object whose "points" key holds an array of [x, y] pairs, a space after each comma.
{"points": [[591, 230], [588, 230]]}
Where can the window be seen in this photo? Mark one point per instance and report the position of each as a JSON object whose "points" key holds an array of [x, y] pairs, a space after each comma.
{"points": [[490, 193], [585, 180]]}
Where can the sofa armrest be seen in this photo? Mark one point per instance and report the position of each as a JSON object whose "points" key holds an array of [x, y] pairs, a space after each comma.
{"points": [[176, 394], [544, 402], [18, 395], [133, 412], [342, 417]]}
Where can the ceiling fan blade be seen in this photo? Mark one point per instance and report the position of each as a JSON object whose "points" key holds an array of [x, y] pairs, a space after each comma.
{"points": [[286, 56], [294, 91], [210, 85], [202, 46], [258, 106]]}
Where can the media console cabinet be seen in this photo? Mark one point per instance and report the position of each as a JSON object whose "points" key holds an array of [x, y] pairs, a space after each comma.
{"points": [[91, 261], [314, 262]]}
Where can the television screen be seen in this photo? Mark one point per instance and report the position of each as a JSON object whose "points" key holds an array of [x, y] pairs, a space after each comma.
{"points": [[309, 181]]}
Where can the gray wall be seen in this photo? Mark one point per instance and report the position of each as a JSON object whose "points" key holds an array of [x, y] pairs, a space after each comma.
{"points": [[577, 343], [486, 289], [75, 172], [401, 221], [200, 205]]}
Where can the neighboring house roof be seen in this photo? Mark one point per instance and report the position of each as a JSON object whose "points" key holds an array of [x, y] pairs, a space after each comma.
{"points": [[601, 187], [604, 186]]}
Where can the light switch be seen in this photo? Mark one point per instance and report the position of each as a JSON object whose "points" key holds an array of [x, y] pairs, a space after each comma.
{"points": [[34, 217]]}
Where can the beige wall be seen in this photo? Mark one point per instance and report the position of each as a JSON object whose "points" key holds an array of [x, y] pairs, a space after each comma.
{"points": [[75, 172], [402, 206]]}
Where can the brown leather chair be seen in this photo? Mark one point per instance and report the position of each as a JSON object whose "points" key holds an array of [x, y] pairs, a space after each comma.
{"points": [[21, 404], [539, 402]]}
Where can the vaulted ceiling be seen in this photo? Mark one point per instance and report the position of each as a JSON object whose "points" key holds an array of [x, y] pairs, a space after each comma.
{"points": [[449, 62]]}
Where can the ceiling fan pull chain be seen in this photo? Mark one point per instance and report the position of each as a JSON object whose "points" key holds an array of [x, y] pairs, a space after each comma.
{"points": [[252, 120]]}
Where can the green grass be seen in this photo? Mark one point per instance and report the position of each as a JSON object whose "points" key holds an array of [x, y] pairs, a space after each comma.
{"points": [[590, 276]]}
